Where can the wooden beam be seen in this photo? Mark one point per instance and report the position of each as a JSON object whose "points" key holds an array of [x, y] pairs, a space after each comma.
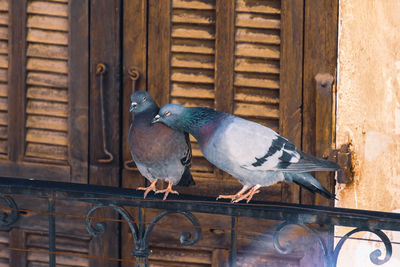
{"points": [[159, 44], [224, 55], [105, 45], [16, 79], [320, 56], [78, 87], [291, 77]]}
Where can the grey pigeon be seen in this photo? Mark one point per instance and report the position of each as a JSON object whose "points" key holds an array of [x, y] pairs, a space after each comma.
{"points": [[254, 154], [160, 153]]}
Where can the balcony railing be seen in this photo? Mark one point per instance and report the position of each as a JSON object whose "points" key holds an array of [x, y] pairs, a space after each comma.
{"points": [[118, 199]]}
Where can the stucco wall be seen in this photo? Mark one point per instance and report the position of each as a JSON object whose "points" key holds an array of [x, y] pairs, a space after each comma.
{"points": [[368, 105]]}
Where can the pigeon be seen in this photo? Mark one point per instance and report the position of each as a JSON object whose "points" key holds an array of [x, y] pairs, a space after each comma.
{"points": [[254, 154], [160, 153]]}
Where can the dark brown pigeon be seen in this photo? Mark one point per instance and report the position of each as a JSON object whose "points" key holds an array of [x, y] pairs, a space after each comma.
{"points": [[159, 152]]}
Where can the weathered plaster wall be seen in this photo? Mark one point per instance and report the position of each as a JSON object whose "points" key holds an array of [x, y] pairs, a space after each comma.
{"points": [[368, 107]]}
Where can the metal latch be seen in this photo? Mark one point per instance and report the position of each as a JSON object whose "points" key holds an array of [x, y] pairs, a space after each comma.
{"points": [[343, 157]]}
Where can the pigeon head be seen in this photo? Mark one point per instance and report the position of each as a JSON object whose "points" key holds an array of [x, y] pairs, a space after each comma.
{"points": [[172, 115], [141, 101], [186, 119]]}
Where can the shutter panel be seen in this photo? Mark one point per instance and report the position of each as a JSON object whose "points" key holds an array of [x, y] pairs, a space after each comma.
{"points": [[197, 36], [4, 21], [48, 94], [47, 80], [192, 62], [257, 54]]}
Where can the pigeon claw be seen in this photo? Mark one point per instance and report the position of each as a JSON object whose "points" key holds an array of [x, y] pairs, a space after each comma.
{"points": [[249, 195], [151, 187], [167, 190], [236, 196], [231, 197]]}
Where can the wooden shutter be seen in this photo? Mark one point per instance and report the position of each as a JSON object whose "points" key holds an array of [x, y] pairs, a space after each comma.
{"points": [[48, 91], [257, 66], [46, 134], [226, 55], [192, 62], [4, 22]]}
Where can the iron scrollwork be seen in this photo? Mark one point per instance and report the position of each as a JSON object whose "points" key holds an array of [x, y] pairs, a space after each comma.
{"points": [[7, 219], [374, 255], [287, 247], [331, 257], [141, 233]]}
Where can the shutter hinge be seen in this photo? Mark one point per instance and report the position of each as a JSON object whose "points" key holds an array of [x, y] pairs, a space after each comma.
{"points": [[342, 156]]}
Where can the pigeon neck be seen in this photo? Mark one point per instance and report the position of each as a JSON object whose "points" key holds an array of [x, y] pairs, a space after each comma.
{"points": [[145, 116], [202, 122]]}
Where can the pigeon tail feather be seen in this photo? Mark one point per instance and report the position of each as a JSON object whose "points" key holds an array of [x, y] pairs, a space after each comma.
{"points": [[307, 181], [309, 163], [187, 178]]}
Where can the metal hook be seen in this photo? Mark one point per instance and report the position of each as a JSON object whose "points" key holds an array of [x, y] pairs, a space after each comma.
{"points": [[101, 69]]}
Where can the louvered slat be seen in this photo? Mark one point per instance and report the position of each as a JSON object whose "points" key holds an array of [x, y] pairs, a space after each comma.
{"points": [[4, 5], [46, 122], [194, 4], [253, 20], [4, 21], [47, 108], [58, 66], [47, 37], [257, 6], [44, 151], [48, 23], [48, 8], [257, 55], [193, 60], [3, 47], [47, 51], [3, 18], [47, 80], [4, 242], [3, 32], [43, 93], [3, 118]]}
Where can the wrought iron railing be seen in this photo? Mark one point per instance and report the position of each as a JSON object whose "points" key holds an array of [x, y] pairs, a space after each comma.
{"points": [[118, 199]]}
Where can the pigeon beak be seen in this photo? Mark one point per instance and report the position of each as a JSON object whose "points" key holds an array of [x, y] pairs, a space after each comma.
{"points": [[133, 106], [156, 119]]}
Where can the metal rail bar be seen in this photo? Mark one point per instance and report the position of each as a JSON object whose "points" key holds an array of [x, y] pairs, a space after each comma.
{"points": [[117, 198], [266, 210]]}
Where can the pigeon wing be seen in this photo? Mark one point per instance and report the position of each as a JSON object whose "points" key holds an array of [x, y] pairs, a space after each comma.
{"points": [[253, 146], [256, 147], [187, 158]]}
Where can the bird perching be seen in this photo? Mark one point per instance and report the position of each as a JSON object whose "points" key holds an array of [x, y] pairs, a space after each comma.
{"points": [[160, 153], [254, 154]]}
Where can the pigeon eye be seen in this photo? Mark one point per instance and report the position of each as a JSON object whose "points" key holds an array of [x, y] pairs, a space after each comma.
{"points": [[166, 114], [144, 98]]}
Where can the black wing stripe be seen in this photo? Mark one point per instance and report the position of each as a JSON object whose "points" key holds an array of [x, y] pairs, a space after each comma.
{"points": [[278, 144], [187, 159]]}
